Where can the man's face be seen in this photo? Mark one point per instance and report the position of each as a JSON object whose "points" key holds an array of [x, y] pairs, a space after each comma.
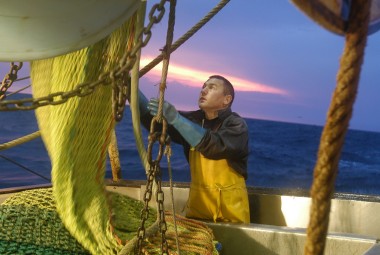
{"points": [[212, 96]]}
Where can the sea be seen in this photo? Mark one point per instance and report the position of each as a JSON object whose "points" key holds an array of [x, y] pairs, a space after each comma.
{"points": [[282, 155]]}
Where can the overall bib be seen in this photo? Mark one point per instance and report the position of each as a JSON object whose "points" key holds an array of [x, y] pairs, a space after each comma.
{"points": [[217, 192]]}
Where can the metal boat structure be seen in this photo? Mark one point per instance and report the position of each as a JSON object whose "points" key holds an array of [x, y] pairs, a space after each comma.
{"points": [[32, 29], [279, 218]]}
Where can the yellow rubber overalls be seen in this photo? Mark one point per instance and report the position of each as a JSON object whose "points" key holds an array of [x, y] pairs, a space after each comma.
{"points": [[217, 192]]}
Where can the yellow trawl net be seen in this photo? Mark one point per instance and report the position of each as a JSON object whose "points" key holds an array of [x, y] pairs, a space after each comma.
{"points": [[77, 134]]}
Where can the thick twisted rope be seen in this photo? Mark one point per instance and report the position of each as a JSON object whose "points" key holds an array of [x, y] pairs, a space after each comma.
{"points": [[113, 153], [166, 59], [20, 140], [333, 134], [134, 101]]}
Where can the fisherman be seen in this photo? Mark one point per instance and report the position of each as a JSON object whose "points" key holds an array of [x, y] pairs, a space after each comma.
{"points": [[215, 142]]}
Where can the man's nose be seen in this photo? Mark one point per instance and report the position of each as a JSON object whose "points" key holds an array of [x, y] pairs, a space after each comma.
{"points": [[204, 91]]}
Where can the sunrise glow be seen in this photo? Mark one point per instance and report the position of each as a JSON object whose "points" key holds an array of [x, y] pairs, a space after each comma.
{"points": [[195, 78]]}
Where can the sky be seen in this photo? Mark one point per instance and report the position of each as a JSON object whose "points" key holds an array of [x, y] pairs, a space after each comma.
{"points": [[282, 64]]}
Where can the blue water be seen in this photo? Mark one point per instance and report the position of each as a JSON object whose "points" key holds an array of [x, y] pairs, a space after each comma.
{"points": [[282, 155]]}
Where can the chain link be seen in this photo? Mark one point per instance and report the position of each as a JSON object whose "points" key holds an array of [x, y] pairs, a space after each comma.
{"points": [[56, 98], [156, 136], [161, 211], [9, 78], [120, 94], [145, 211], [154, 174]]}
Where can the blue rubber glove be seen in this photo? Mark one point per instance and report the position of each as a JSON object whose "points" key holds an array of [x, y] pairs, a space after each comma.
{"points": [[169, 111], [193, 133]]}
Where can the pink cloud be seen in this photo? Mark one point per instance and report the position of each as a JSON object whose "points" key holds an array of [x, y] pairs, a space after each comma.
{"points": [[195, 78]]}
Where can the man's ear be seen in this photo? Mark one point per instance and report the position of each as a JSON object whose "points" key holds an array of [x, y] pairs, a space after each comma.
{"points": [[227, 99]]}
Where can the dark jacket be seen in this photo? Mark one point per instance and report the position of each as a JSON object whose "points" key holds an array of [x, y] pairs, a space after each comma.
{"points": [[226, 137]]}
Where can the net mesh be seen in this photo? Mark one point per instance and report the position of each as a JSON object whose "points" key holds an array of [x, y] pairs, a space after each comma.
{"points": [[30, 224]]}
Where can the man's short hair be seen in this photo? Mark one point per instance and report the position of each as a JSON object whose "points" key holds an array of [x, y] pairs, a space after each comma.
{"points": [[228, 87]]}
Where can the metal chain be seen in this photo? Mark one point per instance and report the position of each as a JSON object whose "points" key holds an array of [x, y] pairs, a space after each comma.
{"points": [[163, 141], [161, 137], [145, 211], [84, 89], [154, 173], [9, 78], [120, 92], [161, 210]]}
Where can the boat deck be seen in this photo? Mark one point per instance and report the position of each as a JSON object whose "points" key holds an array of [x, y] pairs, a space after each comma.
{"points": [[279, 220]]}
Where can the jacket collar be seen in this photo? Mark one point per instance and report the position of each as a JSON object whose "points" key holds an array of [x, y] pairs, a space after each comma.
{"points": [[222, 114], [200, 115]]}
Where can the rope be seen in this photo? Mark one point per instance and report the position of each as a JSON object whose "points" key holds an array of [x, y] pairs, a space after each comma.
{"points": [[134, 101], [22, 89], [20, 140], [168, 152], [165, 68], [25, 168], [131, 245], [185, 37], [166, 58], [195, 237], [17, 91], [113, 153], [333, 134]]}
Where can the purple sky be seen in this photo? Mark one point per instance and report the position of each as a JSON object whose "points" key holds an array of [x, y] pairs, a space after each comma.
{"points": [[265, 43]]}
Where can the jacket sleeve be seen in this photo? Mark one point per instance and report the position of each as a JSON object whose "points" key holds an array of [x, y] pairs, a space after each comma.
{"points": [[230, 141]]}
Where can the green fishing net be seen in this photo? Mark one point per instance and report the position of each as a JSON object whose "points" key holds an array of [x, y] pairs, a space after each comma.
{"points": [[29, 224]]}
